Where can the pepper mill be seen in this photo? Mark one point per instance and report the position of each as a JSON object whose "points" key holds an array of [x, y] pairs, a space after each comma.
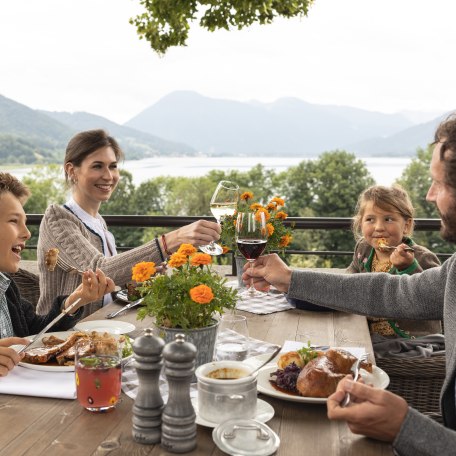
{"points": [[148, 405], [178, 419]]}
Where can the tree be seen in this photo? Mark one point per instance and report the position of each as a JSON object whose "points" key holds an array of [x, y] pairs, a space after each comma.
{"points": [[166, 23]]}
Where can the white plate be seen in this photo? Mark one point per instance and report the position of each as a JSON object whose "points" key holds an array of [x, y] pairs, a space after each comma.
{"points": [[56, 368], [263, 414], [109, 326], [378, 378]]}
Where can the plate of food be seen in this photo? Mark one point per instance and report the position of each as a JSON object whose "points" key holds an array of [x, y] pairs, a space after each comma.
{"points": [[313, 377], [54, 352]]}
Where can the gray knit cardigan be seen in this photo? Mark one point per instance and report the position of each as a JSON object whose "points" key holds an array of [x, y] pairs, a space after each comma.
{"points": [[429, 295], [83, 249]]}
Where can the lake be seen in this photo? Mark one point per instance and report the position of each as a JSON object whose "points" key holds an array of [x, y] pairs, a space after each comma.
{"points": [[385, 170]]}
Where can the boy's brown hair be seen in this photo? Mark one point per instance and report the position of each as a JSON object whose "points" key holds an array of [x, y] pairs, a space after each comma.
{"points": [[11, 184]]}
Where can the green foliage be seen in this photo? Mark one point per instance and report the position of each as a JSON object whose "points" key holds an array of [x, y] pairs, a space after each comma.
{"points": [[166, 23], [168, 297]]}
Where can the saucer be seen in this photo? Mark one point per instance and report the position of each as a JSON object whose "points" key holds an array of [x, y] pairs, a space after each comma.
{"points": [[264, 413]]}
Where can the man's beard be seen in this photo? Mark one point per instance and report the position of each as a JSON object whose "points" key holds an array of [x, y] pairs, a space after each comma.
{"points": [[448, 229]]}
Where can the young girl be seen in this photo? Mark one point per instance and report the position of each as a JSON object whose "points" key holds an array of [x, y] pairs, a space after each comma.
{"points": [[383, 225]]}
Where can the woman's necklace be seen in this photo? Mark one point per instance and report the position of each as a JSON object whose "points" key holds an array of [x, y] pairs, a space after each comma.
{"points": [[380, 266]]}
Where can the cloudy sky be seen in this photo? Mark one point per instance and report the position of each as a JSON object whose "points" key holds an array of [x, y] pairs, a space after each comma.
{"points": [[83, 55]]}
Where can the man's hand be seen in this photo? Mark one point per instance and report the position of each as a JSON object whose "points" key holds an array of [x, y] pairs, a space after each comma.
{"points": [[266, 271], [373, 412], [8, 356]]}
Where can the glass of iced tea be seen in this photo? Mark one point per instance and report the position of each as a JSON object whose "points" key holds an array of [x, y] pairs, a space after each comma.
{"points": [[98, 373]]}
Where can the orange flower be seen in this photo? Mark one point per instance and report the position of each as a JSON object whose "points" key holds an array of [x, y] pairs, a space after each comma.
{"points": [[246, 196], [176, 260], [256, 206], [202, 294], [200, 259], [270, 228], [143, 271], [186, 249], [281, 215], [278, 201], [267, 215], [225, 249], [285, 240], [271, 206]]}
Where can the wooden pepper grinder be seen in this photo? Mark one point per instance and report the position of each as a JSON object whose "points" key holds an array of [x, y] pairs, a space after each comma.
{"points": [[148, 406], [178, 419]]}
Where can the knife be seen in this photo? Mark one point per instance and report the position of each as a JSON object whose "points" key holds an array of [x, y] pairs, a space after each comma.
{"points": [[128, 306], [52, 323]]}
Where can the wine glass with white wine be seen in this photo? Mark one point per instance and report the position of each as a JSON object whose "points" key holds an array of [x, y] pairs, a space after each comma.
{"points": [[223, 203]]}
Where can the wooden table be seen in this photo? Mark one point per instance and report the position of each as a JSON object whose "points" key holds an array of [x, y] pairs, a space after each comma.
{"points": [[35, 426]]}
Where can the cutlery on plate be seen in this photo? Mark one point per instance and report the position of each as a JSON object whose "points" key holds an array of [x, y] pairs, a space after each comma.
{"points": [[273, 354], [52, 323], [124, 308], [355, 370]]}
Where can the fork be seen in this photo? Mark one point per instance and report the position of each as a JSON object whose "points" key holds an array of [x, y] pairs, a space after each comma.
{"points": [[355, 369], [67, 267], [394, 247]]}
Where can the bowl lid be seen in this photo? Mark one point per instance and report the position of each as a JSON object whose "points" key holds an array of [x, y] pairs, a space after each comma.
{"points": [[245, 438]]}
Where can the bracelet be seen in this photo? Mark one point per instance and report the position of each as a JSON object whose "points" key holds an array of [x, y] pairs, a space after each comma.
{"points": [[165, 247], [159, 250]]}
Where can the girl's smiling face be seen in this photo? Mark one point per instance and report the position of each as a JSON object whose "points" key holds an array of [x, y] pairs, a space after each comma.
{"points": [[379, 223]]}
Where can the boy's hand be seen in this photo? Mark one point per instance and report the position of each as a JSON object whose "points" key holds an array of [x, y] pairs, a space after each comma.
{"points": [[8, 356]]}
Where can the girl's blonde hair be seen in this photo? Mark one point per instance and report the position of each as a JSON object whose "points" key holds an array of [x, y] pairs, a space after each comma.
{"points": [[384, 198]]}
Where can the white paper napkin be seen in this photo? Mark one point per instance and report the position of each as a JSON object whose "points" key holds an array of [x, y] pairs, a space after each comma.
{"points": [[292, 345], [30, 382]]}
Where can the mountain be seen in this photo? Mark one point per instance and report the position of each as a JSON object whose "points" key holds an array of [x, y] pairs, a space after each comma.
{"points": [[287, 127], [31, 136], [136, 144]]}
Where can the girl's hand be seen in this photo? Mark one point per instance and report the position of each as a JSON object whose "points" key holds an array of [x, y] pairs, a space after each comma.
{"points": [[401, 258], [93, 287]]}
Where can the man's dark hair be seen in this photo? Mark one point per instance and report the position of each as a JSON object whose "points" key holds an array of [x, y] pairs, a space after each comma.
{"points": [[446, 135]]}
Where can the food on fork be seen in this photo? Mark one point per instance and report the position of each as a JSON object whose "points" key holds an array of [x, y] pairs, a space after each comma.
{"points": [[382, 244], [51, 258], [319, 376]]}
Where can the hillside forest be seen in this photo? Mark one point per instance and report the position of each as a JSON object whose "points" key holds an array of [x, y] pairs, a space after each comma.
{"points": [[326, 187]]}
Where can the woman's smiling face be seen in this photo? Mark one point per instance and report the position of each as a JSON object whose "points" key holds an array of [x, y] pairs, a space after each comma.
{"points": [[379, 223], [13, 232], [96, 178]]}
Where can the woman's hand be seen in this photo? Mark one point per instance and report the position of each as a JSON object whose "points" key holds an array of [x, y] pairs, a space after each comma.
{"points": [[8, 356], [268, 270], [372, 412], [93, 287], [201, 232]]}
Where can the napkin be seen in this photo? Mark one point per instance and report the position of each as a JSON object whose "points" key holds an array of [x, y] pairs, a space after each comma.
{"points": [[30, 382], [292, 345]]}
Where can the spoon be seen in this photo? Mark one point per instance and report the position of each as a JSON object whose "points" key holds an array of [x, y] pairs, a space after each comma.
{"points": [[273, 354]]}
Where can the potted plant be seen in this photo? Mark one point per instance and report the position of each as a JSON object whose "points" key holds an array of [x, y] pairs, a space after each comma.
{"points": [[185, 300], [279, 235]]}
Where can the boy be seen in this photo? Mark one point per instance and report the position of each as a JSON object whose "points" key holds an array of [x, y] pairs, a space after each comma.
{"points": [[17, 316]]}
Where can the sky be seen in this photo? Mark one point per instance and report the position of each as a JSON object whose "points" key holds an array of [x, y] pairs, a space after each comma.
{"points": [[83, 55]]}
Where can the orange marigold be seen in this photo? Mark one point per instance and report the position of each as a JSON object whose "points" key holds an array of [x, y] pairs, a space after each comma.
{"points": [[143, 271], [186, 249], [202, 294], [281, 215], [271, 206], [246, 196], [200, 259], [225, 249], [270, 228], [278, 201], [267, 215], [177, 259], [285, 240], [256, 206]]}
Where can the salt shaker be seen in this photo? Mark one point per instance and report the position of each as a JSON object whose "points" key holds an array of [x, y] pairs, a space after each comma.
{"points": [[148, 406], [178, 419]]}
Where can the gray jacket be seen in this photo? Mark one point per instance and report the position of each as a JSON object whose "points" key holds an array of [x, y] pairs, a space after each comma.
{"points": [[429, 295]]}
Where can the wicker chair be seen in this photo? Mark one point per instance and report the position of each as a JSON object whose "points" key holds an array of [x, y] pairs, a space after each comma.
{"points": [[28, 284], [418, 380]]}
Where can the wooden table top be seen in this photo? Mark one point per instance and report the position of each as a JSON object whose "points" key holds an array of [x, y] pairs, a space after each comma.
{"points": [[35, 426]]}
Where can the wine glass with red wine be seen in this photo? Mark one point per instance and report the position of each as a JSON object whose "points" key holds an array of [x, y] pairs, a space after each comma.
{"points": [[251, 239]]}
